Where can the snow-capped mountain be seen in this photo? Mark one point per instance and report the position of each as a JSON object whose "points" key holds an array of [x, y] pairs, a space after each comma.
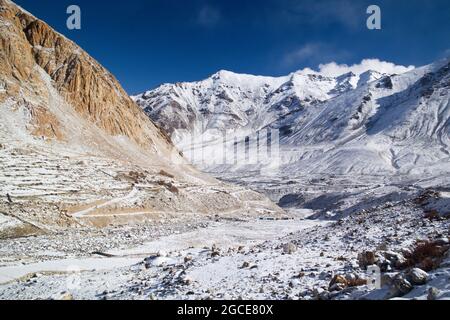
{"points": [[243, 102], [398, 124], [367, 123]]}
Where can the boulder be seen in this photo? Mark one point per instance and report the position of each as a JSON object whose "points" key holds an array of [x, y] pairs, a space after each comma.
{"points": [[65, 296], [433, 293], [401, 285], [442, 242], [417, 276], [321, 294], [294, 283], [396, 259], [186, 280], [387, 279], [366, 258]]}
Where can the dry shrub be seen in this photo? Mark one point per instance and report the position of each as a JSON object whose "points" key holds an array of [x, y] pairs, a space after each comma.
{"points": [[432, 215], [357, 282], [427, 255], [347, 281]]}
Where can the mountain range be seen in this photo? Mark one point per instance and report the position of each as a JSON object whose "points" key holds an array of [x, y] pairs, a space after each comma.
{"points": [[370, 123]]}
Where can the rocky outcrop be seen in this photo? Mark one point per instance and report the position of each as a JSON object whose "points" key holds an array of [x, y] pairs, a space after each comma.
{"points": [[44, 123], [92, 91]]}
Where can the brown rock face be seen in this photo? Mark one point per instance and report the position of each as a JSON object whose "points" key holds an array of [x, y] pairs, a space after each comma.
{"points": [[92, 91], [45, 124]]}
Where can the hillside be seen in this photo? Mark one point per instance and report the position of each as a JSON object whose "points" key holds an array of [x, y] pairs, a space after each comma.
{"points": [[76, 150]]}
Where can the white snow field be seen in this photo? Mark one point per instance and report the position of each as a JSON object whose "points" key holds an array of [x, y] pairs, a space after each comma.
{"points": [[229, 259]]}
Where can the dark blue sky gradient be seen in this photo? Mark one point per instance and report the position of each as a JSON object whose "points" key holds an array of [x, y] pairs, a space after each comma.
{"points": [[148, 42]]}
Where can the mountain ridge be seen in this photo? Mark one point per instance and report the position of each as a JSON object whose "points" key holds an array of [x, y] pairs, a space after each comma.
{"points": [[314, 111]]}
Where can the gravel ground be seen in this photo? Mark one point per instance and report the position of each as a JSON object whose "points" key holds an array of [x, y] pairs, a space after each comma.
{"points": [[226, 259]]}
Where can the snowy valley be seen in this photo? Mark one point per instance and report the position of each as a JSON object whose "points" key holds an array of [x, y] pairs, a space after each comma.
{"points": [[304, 182], [356, 149]]}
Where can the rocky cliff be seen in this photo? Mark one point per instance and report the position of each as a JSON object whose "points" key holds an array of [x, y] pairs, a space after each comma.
{"points": [[93, 92]]}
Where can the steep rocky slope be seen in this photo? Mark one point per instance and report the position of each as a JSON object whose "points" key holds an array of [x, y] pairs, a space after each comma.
{"points": [[34, 56], [75, 149]]}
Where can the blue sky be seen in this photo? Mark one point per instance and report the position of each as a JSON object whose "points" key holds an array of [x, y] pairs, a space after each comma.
{"points": [[148, 42]]}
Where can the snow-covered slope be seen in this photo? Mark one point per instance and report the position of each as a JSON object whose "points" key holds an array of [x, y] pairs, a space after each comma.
{"points": [[370, 123], [228, 100], [398, 124]]}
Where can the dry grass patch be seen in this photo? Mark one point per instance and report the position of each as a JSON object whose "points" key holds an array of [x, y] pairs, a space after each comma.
{"points": [[426, 255]]}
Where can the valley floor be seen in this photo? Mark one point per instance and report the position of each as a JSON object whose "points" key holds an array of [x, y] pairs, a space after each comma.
{"points": [[320, 257]]}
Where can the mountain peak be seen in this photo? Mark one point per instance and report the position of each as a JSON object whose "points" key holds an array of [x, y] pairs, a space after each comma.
{"points": [[297, 102], [347, 75], [369, 76], [223, 74]]}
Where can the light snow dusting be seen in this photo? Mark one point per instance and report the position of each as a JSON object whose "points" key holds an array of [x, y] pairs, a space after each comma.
{"points": [[298, 185]]}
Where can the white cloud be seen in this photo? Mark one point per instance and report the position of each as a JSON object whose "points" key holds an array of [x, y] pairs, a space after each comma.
{"points": [[208, 16], [333, 69]]}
